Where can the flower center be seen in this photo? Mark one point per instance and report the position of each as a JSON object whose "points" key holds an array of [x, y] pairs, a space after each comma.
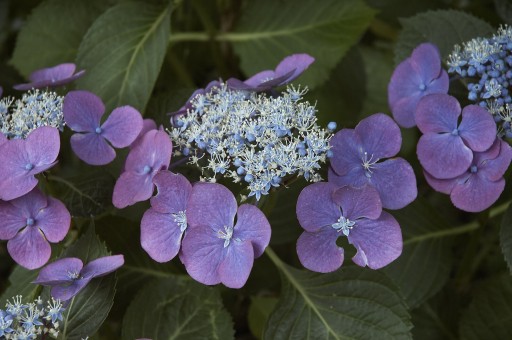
{"points": [[147, 169], [98, 130], [30, 221], [473, 169], [344, 225], [368, 164], [455, 132], [29, 166], [73, 275], [227, 234], [423, 87], [181, 220]]}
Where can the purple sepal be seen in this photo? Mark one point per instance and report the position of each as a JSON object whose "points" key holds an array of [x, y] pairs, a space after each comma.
{"points": [[51, 77]]}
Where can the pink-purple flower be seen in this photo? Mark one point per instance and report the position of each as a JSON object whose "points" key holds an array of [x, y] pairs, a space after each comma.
{"points": [[417, 76], [83, 111], [51, 77], [29, 223], [327, 211], [215, 249], [68, 276]]}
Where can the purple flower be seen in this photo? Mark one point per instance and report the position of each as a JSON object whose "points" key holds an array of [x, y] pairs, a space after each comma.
{"points": [[213, 250], [51, 77], [446, 148], [414, 78], [148, 124], [482, 183], [288, 69], [83, 111], [142, 164], [68, 276], [164, 224], [356, 156], [188, 105], [29, 223], [326, 211], [24, 158]]}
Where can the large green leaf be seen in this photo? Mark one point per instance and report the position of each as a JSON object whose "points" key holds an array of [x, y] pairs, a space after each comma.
{"points": [[123, 52], [351, 303], [506, 237], [269, 30], [21, 284], [259, 312], [444, 28], [53, 33], [177, 308]]}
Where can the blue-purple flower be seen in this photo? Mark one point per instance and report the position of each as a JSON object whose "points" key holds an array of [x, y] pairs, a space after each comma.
{"points": [[357, 156], [164, 224], [148, 124], [326, 212], [417, 76], [215, 249], [68, 276], [51, 77], [5, 323], [29, 223], [83, 111], [446, 148], [22, 159], [142, 164]]}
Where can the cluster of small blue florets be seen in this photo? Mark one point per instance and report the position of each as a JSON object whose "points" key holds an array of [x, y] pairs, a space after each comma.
{"points": [[488, 61], [252, 137]]}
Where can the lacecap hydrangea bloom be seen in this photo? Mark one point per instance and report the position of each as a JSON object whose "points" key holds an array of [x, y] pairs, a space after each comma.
{"points": [[51, 77]]}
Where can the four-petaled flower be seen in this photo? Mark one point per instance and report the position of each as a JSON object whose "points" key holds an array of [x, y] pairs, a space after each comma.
{"points": [[326, 211], [82, 113], [29, 223], [51, 77], [215, 249], [68, 276]]}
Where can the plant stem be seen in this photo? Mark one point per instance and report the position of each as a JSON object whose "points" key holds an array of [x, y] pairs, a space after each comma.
{"points": [[67, 318]]}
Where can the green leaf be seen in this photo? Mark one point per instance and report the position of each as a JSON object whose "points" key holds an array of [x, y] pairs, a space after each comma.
{"points": [[443, 28], [259, 312], [425, 263], [270, 30], [504, 10], [489, 315], [21, 284], [506, 236], [378, 67], [177, 308], [123, 52], [53, 33], [351, 303]]}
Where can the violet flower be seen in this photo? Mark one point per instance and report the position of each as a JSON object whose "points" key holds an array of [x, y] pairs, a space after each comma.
{"points": [[22, 159], [188, 105], [29, 223], [142, 164], [326, 212], [482, 184], [68, 276], [446, 148], [164, 224], [355, 161], [417, 76], [51, 77], [148, 124], [213, 250], [82, 113]]}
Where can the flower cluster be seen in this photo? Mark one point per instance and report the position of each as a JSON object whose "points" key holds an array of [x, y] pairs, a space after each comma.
{"points": [[30, 320]]}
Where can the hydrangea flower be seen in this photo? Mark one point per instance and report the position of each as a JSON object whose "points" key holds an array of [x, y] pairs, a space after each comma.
{"points": [[164, 224], [83, 111], [357, 155], [29, 223], [148, 124], [415, 77], [197, 93], [482, 183], [142, 164], [51, 77], [326, 212], [215, 249], [68, 276], [446, 148], [22, 159], [5, 323]]}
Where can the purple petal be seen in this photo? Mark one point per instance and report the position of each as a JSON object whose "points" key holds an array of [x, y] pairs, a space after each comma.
{"points": [[42, 146], [442, 185], [147, 125], [395, 181], [256, 79], [296, 63], [122, 126], [476, 194], [437, 113], [211, 205], [403, 111], [154, 151], [29, 248], [236, 266], [66, 292], [380, 136], [92, 148], [477, 128], [131, 188], [30, 204], [252, 226], [358, 202], [426, 61], [355, 177], [347, 151], [444, 155], [378, 242], [160, 235], [54, 220], [493, 169], [318, 251], [173, 192], [404, 93], [440, 84], [51, 76], [11, 220], [58, 271], [316, 207], [83, 111], [102, 266]]}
